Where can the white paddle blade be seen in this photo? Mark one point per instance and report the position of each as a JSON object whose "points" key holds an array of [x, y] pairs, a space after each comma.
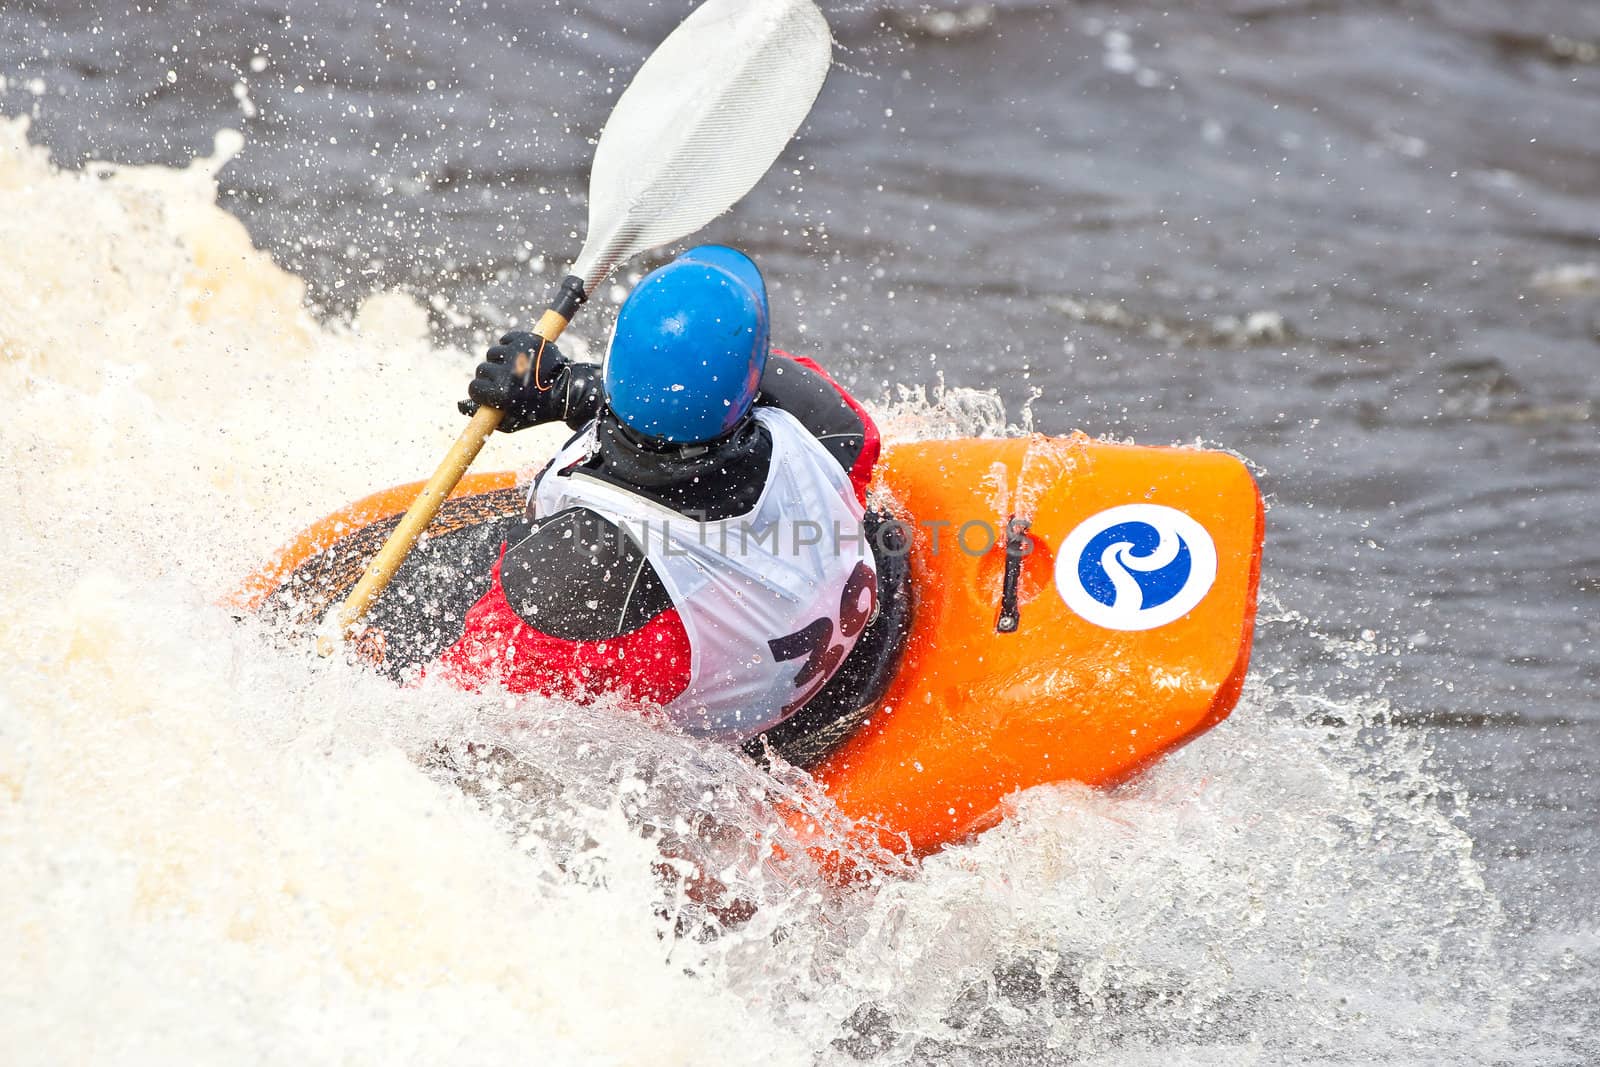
{"points": [[701, 122]]}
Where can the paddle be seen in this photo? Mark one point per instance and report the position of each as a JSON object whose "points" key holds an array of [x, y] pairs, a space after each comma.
{"points": [[702, 121]]}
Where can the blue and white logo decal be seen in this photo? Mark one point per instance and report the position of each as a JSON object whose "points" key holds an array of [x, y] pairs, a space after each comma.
{"points": [[1136, 567]]}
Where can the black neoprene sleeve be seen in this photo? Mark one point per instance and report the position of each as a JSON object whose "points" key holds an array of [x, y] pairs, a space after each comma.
{"points": [[816, 402]]}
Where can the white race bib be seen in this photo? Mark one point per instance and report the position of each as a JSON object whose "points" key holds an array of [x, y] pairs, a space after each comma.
{"points": [[773, 601]]}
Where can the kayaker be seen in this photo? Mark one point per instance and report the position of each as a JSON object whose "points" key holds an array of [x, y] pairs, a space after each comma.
{"points": [[698, 544]]}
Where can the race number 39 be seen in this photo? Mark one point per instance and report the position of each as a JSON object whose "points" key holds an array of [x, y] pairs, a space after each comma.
{"points": [[815, 641]]}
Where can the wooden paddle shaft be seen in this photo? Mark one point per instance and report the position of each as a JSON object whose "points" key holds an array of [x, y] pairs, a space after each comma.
{"points": [[416, 519]]}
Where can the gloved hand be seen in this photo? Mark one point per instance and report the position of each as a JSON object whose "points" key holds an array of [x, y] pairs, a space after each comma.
{"points": [[525, 377]]}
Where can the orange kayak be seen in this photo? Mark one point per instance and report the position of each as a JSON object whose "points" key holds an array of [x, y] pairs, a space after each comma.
{"points": [[1079, 609]]}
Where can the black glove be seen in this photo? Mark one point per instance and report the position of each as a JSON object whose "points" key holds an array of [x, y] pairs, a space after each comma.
{"points": [[524, 376]]}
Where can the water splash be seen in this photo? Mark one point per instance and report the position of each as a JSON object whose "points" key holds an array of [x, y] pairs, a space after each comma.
{"points": [[220, 848]]}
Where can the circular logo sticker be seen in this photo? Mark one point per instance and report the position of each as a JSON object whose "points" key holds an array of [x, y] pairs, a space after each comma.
{"points": [[1136, 567]]}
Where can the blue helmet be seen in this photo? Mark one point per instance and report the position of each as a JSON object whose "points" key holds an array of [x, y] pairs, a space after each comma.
{"points": [[689, 348]]}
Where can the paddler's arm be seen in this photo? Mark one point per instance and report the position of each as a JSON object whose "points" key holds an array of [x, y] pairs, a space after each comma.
{"points": [[820, 404], [530, 380]]}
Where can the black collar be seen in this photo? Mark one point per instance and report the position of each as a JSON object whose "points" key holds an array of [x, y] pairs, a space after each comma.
{"points": [[634, 458]]}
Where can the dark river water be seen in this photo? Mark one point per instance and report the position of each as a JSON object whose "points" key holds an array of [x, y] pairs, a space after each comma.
{"points": [[1355, 242]]}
